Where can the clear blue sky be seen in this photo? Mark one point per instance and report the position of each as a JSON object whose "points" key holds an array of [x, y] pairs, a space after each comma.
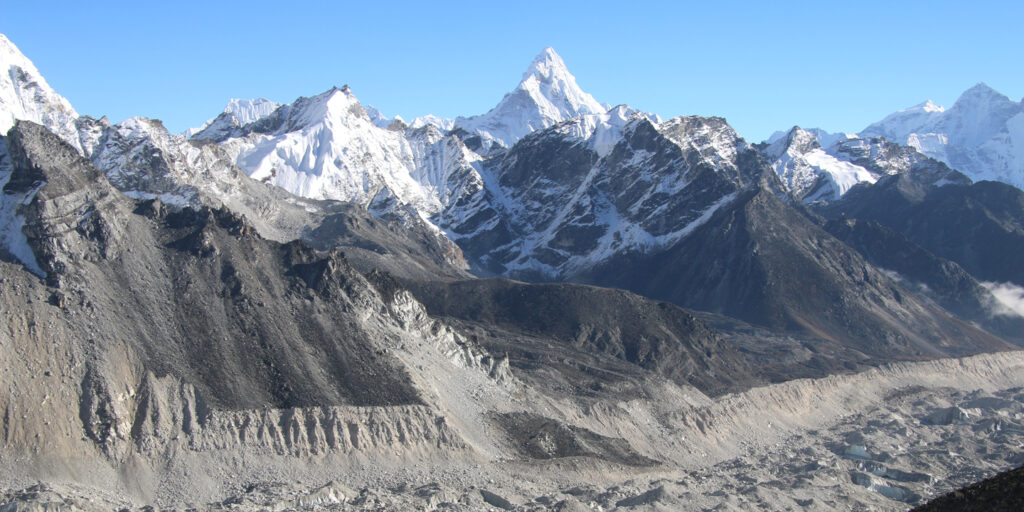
{"points": [[835, 65]]}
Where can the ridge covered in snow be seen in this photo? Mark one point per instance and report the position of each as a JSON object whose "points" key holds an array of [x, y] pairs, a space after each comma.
{"points": [[812, 172], [825, 138], [330, 147], [236, 114], [398, 123], [242, 111], [568, 198]]}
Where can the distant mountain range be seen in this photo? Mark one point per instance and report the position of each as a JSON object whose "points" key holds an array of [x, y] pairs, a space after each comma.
{"points": [[552, 185], [982, 136]]}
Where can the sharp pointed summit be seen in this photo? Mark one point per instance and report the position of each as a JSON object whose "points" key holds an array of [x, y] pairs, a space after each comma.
{"points": [[553, 87], [547, 94], [546, 64]]}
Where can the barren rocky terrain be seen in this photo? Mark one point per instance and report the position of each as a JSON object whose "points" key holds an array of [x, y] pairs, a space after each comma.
{"points": [[884, 439]]}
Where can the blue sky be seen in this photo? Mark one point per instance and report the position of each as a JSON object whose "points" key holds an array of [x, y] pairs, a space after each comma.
{"points": [[835, 65]]}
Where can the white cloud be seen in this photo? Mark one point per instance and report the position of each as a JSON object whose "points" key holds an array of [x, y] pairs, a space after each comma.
{"points": [[1008, 298]]}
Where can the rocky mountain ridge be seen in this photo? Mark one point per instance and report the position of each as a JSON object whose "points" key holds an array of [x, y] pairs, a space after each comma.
{"points": [[578, 195]]}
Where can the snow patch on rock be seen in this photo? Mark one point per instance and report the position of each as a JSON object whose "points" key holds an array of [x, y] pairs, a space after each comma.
{"points": [[12, 237]]}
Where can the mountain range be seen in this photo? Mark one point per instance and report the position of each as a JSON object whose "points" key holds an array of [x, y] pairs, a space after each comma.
{"points": [[312, 278], [981, 135]]}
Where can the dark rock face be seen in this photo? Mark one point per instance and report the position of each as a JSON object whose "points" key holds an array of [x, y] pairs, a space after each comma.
{"points": [[66, 191], [29, 139], [568, 323], [679, 174], [554, 205], [404, 247], [197, 294], [886, 158], [980, 226], [919, 270], [762, 261], [687, 212], [1003, 492], [910, 224]]}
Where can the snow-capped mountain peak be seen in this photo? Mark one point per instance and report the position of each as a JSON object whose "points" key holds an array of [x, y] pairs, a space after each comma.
{"points": [[796, 139], [810, 170], [981, 135], [904, 121], [337, 105], [825, 138], [329, 146], [548, 66], [928, 106], [981, 93], [546, 95], [554, 89], [334, 106], [980, 114], [24, 94], [441, 123]]}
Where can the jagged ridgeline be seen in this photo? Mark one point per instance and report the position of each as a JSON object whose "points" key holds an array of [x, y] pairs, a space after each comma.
{"points": [[312, 304]]}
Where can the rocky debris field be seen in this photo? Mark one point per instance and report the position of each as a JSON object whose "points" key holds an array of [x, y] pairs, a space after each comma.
{"points": [[917, 443]]}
